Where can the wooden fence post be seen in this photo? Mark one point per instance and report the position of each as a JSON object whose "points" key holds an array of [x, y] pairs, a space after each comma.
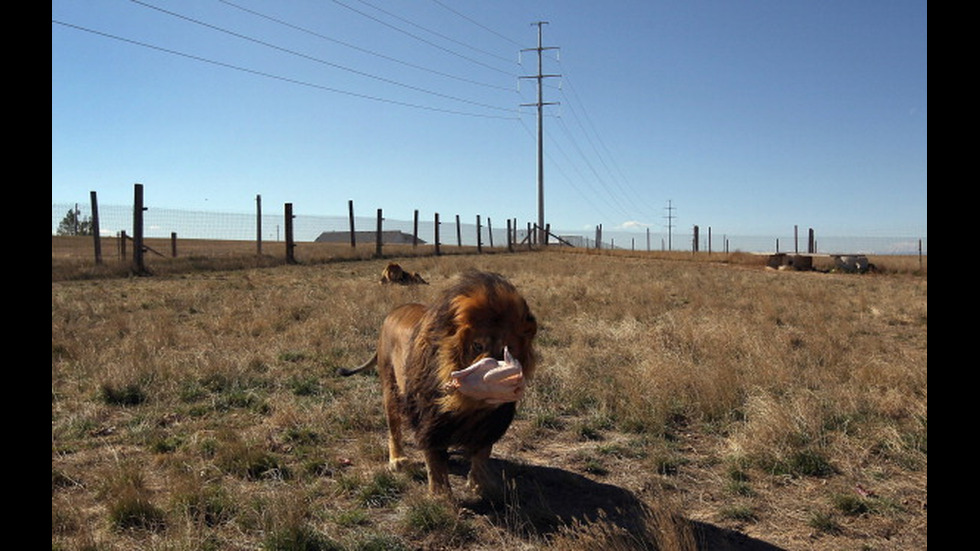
{"points": [[173, 244], [138, 266], [436, 228], [95, 228], [290, 257], [258, 225], [350, 210], [122, 245], [377, 237], [479, 239], [510, 240], [459, 234], [415, 229], [490, 232]]}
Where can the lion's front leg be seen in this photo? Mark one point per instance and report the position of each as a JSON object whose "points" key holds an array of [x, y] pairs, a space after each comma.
{"points": [[437, 465], [480, 479]]}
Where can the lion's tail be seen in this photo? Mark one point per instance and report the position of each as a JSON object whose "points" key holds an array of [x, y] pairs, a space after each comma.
{"points": [[370, 363]]}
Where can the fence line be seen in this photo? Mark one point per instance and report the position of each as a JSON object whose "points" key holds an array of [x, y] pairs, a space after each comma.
{"points": [[210, 225], [260, 227]]}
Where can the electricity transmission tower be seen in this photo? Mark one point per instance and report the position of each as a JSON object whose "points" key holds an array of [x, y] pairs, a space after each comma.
{"points": [[670, 217], [542, 235]]}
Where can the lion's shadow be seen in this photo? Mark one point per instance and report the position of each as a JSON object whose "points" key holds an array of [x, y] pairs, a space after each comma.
{"points": [[539, 501]]}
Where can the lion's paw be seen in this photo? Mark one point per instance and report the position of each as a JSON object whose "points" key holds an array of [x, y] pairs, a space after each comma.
{"points": [[485, 486], [397, 464]]}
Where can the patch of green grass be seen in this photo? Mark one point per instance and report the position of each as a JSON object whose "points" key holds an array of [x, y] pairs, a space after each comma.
{"points": [[592, 427], [594, 465], [738, 479], [304, 385], [735, 471], [318, 466], [301, 436], [438, 519], [739, 488], [132, 511], [383, 489], [739, 513], [850, 505], [191, 391], [381, 542], [351, 517], [634, 449], [206, 505], [248, 461], [292, 356], [128, 502], [165, 444], [301, 537], [823, 522], [802, 463], [548, 420], [130, 394], [427, 515], [588, 432], [666, 462], [242, 399]]}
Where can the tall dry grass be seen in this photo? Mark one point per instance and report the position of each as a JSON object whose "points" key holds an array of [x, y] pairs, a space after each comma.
{"points": [[201, 409]]}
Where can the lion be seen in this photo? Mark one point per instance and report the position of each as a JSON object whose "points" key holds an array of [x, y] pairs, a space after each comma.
{"points": [[422, 354], [393, 273]]}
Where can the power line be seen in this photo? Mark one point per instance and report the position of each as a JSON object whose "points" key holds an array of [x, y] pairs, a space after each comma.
{"points": [[420, 39], [440, 35], [598, 178], [278, 77], [627, 189], [478, 24], [590, 199], [318, 60], [364, 50]]}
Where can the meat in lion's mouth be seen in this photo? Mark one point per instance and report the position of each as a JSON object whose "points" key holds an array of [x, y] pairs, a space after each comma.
{"points": [[492, 381]]}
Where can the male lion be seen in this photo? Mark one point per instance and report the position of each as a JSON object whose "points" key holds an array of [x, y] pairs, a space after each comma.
{"points": [[421, 354]]}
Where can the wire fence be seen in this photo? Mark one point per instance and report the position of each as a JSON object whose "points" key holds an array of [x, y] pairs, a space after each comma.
{"points": [[453, 230]]}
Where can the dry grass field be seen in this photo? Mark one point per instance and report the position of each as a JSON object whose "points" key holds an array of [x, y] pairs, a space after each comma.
{"points": [[679, 404]]}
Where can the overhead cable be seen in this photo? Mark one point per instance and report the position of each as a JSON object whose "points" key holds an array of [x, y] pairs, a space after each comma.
{"points": [[318, 60], [278, 77]]}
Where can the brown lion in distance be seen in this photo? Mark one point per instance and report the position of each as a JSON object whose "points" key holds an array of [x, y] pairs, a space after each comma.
{"points": [[393, 273], [480, 321]]}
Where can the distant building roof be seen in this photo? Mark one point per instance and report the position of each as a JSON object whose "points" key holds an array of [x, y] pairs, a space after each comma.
{"points": [[387, 237]]}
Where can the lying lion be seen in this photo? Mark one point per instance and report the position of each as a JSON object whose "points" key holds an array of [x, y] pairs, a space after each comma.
{"points": [[394, 273]]}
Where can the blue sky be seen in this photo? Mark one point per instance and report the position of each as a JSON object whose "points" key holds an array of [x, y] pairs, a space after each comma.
{"points": [[748, 116]]}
